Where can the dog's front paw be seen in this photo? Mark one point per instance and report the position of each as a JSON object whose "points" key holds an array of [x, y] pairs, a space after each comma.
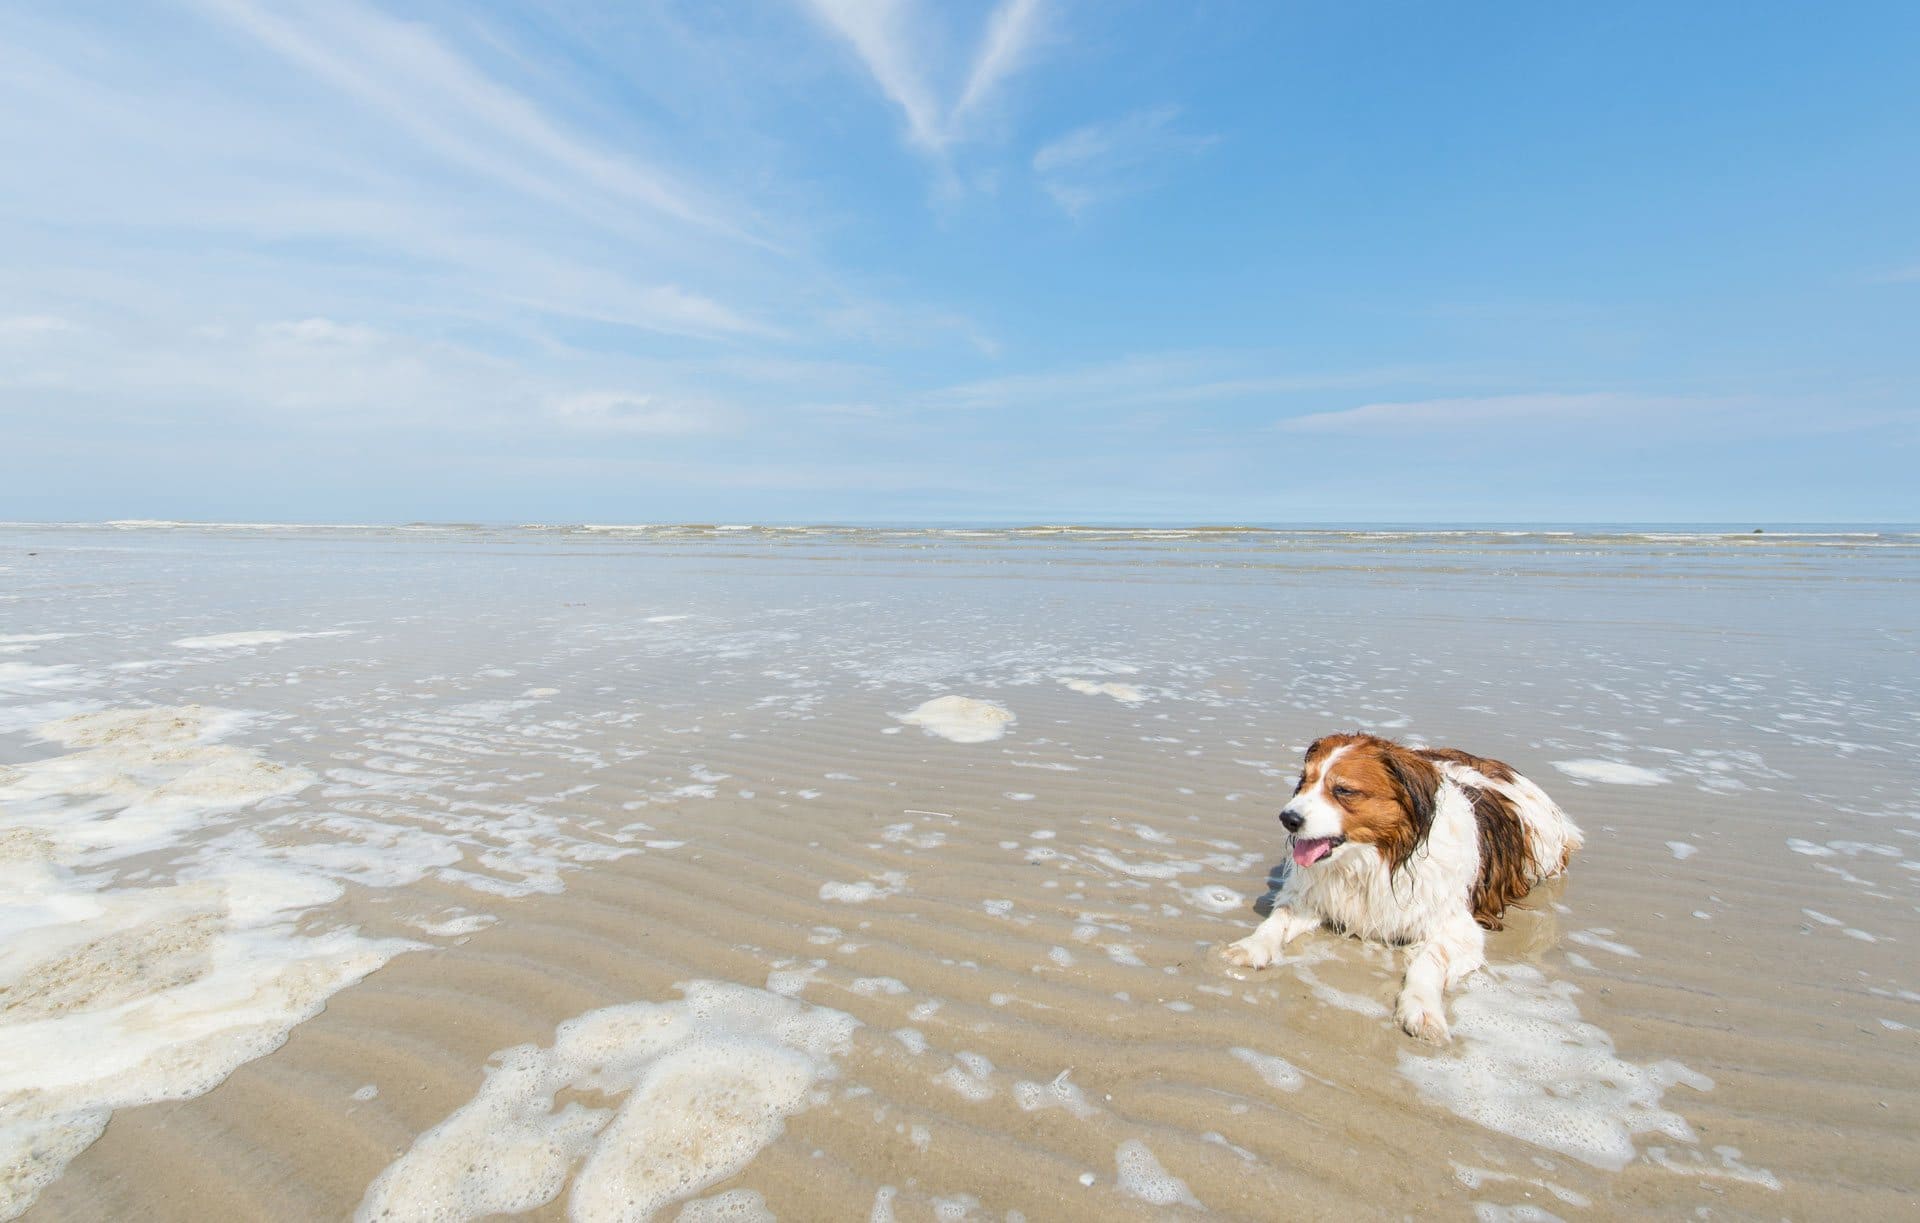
{"points": [[1421, 1022], [1249, 952]]}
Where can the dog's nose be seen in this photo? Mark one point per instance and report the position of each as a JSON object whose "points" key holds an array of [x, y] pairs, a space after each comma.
{"points": [[1293, 820]]}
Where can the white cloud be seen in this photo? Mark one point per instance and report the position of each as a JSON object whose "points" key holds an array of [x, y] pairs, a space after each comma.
{"points": [[301, 374], [1012, 32], [1512, 411], [416, 82], [628, 412], [894, 40], [906, 325], [319, 375], [1152, 380], [1103, 160], [30, 326], [882, 34], [358, 162], [316, 331], [1606, 418], [564, 287]]}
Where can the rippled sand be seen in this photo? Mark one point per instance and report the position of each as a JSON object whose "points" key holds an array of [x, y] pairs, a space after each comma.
{"points": [[726, 873]]}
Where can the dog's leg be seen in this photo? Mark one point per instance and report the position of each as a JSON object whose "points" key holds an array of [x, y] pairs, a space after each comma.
{"points": [[1262, 947], [1432, 966], [1422, 1007]]}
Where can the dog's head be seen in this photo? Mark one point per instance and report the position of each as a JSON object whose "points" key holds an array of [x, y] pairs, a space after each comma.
{"points": [[1360, 790]]}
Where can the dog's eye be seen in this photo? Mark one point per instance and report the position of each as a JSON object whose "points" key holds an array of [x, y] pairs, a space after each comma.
{"points": [[1345, 792]]}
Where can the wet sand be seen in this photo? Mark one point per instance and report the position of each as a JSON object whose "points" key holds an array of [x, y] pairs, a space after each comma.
{"points": [[646, 823]]}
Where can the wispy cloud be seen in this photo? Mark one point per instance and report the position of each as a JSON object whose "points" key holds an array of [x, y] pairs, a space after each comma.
{"points": [[1555, 427], [30, 326], [385, 171], [1479, 413], [897, 39], [906, 325], [414, 81], [324, 375], [882, 34], [1012, 33], [1104, 160], [630, 412], [319, 331], [1156, 380]]}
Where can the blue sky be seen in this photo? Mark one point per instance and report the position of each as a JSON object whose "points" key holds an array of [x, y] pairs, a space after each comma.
{"points": [[804, 260]]}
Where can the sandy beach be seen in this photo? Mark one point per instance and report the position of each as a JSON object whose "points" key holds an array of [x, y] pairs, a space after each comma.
{"points": [[830, 873]]}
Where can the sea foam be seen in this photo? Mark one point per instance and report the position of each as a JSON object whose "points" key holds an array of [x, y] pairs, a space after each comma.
{"points": [[124, 995], [1611, 772], [708, 1082], [960, 719], [1528, 1067], [243, 641]]}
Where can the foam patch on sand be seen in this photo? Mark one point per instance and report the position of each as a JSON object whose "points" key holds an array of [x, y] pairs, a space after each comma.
{"points": [[881, 886], [32, 678], [1277, 1072], [112, 996], [1524, 1212], [1527, 1066], [23, 643], [1059, 1092], [1126, 694], [243, 641], [733, 1206], [16, 718], [1332, 995], [1694, 1164], [970, 1076], [960, 719], [139, 779], [139, 996], [1214, 898], [1612, 772], [708, 1081], [1139, 1175]]}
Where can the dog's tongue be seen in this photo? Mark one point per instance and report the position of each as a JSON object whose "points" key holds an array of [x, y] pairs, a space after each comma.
{"points": [[1306, 853]]}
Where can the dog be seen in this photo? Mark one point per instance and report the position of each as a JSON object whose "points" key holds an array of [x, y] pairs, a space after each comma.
{"points": [[1421, 847]]}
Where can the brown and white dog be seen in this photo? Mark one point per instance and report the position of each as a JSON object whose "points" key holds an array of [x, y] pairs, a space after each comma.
{"points": [[1414, 846]]}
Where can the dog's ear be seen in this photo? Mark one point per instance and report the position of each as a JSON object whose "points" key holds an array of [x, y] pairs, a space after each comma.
{"points": [[1419, 785]]}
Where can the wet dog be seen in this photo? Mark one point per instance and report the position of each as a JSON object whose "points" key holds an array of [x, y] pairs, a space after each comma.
{"points": [[1422, 847]]}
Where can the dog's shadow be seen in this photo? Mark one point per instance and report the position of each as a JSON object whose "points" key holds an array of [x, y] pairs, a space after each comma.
{"points": [[1276, 879], [1533, 924]]}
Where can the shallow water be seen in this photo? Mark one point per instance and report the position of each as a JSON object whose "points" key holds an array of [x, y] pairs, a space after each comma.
{"points": [[322, 843]]}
